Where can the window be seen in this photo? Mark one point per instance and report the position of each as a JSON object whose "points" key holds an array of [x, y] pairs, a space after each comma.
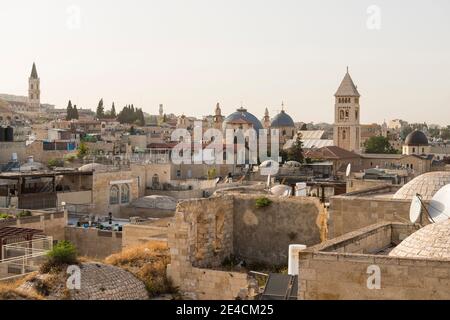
{"points": [[124, 193], [155, 180], [423, 150], [114, 195], [356, 114], [341, 114], [344, 135], [414, 149], [346, 114], [178, 173], [284, 132]]}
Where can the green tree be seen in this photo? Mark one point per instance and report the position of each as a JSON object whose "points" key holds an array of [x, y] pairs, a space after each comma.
{"points": [[82, 150], [379, 144], [295, 153], [69, 112], [75, 112], [113, 111], [100, 109]]}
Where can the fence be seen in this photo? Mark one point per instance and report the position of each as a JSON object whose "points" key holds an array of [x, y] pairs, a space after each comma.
{"points": [[22, 258]]}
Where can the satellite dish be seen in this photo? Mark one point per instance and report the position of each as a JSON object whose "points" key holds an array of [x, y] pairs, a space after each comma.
{"points": [[349, 170], [439, 207], [415, 210]]}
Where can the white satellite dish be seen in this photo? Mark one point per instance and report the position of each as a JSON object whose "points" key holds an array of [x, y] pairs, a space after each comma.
{"points": [[439, 207], [415, 209], [349, 170]]}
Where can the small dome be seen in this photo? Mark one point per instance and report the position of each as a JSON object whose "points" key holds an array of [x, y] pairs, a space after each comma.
{"points": [[282, 120], [155, 201], [98, 282], [416, 138], [92, 167], [242, 115], [426, 185], [429, 242]]}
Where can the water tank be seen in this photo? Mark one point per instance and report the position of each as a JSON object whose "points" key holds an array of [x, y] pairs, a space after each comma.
{"points": [[2, 134], [9, 134]]}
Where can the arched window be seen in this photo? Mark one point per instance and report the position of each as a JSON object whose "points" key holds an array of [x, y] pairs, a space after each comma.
{"points": [[344, 134], [356, 114], [346, 114], [124, 193], [284, 132], [114, 195], [155, 180], [341, 114]]}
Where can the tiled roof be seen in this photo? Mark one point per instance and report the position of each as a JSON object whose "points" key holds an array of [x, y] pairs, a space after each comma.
{"points": [[347, 87], [331, 153]]}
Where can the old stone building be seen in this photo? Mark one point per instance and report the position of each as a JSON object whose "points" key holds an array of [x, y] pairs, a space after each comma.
{"points": [[347, 129]]}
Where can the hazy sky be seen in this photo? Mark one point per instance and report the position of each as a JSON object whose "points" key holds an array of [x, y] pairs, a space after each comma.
{"points": [[190, 54]]}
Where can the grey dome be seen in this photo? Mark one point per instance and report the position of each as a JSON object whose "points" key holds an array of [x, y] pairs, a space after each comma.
{"points": [[282, 120], [242, 114], [416, 138]]}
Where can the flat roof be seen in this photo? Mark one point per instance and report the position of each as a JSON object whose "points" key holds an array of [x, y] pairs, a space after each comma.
{"points": [[42, 174]]}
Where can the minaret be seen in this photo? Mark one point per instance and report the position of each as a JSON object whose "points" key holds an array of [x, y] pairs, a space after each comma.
{"points": [[34, 90], [266, 119], [161, 110], [347, 129], [218, 118]]}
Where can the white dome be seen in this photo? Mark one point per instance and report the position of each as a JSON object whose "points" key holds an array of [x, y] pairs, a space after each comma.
{"points": [[426, 185], [431, 241], [92, 167], [281, 190]]}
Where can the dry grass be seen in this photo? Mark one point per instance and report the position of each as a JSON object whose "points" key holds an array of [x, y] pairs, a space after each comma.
{"points": [[9, 290], [147, 262]]}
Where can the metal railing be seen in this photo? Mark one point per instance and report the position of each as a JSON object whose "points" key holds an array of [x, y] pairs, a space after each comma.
{"points": [[22, 258]]}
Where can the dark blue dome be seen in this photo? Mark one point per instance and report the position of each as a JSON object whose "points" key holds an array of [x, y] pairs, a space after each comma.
{"points": [[244, 116], [416, 138], [282, 120]]}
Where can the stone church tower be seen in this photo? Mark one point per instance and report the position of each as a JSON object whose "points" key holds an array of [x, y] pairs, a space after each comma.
{"points": [[34, 90], [218, 118], [266, 120], [347, 128]]}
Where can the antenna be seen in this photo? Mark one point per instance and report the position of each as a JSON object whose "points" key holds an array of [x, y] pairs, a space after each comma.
{"points": [[439, 207], [348, 170], [415, 211]]}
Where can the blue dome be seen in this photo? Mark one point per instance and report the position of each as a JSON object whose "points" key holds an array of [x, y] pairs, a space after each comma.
{"points": [[242, 115], [282, 120]]}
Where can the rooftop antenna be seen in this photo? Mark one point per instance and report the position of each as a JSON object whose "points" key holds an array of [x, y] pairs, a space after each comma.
{"points": [[348, 170], [415, 210], [439, 207]]}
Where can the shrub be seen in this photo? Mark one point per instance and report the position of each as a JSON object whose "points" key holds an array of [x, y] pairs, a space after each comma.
{"points": [[263, 202], [55, 163], [24, 213], [5, 216], [63, 253], [70, 157]]}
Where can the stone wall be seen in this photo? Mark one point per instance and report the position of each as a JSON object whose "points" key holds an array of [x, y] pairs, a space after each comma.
{"points": [[264, 234], [349, 213], [362, 184], [134, 234], [94, 243], [199, 236], [101, 185], [206, 231], [52, 224], [343, 273]]}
